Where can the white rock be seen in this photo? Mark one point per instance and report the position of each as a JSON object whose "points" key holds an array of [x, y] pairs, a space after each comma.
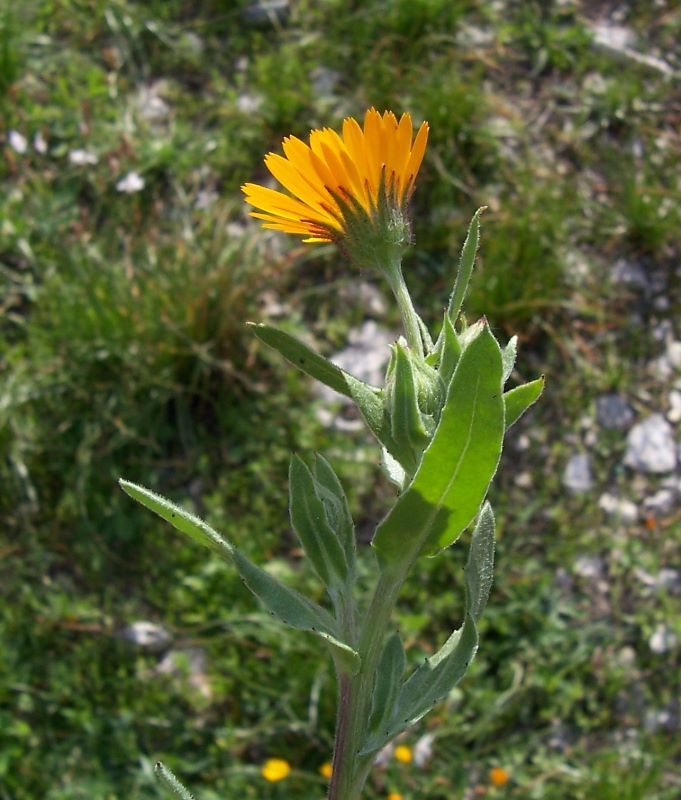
{"points": [[147, 635], [662, 639], [630, 273], [669, 580], [39, 144], [324, 80], [661, 502], [614, 36], [82, 158], [190, 662], [674, 354], [588, 566], [205, 198], [577, 476], [522, 442], [267, 11], [658, 719], [131, 183], [365, 357], [365, 295], [666, 580], [248, 103], [17, 142], [626, 657], [151, 105], [651, 446], [619, 507], [524, 480], [423, 749], [674, 413]]}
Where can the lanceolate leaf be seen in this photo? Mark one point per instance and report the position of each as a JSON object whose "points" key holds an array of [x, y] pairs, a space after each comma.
{"points": [[518, 400], [388, 678], [367, 398], [466, 262], [479, 570], [438, 675], [458, 465], [281, 601], [309, 520], [451, 351], [331, 493], [168, 779], [430, 683]]}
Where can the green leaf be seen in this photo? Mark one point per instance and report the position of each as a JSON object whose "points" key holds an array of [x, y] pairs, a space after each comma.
{"points": [[286, 604], [437, 676], [179, 518], [367, 398], [508, 356], [479, 569], [456, 469], [388, 679], [168, 779], [451, 351], [466, 261], [393, 469], [518, 400], [433, 680], [429, 684], [309, 520], [332, 494]]}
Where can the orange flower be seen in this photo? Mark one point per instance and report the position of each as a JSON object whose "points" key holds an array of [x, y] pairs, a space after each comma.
{"points": [[394, 796], [337, 179], [326, 770], [275, 769], [498, 776]]}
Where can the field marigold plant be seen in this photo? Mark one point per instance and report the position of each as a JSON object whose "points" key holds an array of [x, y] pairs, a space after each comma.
{"points": [[439, 418]]}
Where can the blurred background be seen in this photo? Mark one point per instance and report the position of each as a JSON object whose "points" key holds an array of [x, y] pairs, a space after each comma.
{"points": [[128, 267]]}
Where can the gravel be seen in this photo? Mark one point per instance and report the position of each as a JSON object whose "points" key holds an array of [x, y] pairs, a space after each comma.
{"points": [[650, 446]]}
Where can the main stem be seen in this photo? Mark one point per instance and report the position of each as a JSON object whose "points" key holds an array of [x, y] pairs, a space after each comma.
{"points": [[350, 769]]}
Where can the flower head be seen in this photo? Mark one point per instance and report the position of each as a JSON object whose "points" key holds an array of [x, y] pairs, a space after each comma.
{"points": [[344, 186], [275, 769], [326, 770], [404, 753], [498, 776]]}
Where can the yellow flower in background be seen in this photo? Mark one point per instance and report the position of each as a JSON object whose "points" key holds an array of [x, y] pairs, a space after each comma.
{"points": [[339, 178], [394, 796], [275, 769], [498, 776], [326, 770], [404, 754]]}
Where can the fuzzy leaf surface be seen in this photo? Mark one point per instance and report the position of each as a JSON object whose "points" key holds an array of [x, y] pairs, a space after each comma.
{"points": [[388, 679], [458, 465], [466, 262], [518, 400], [366, 397], [433, 680], [309, 520], [289, 606]]}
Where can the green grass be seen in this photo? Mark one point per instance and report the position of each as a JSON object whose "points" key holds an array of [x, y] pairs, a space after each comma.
{"points": [[123, 352]]}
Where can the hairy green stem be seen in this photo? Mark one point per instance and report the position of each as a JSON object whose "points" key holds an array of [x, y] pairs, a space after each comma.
{"points": [[350, 769], [410, 318]]}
